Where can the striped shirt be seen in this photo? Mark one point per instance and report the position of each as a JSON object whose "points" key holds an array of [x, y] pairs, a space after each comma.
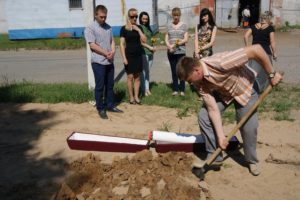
{"points": [[175, 34], [102, 36], [228, 74]]}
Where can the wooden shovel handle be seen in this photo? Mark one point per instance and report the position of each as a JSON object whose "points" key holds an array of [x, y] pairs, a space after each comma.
{"points": [[241, 122]]}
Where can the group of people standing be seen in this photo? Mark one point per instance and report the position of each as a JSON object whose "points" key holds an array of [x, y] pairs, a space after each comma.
{"points": [[137, 50], [221, 79]]}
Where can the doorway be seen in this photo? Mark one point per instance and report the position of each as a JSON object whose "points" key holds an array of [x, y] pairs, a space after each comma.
{"points": [[254, 7]]}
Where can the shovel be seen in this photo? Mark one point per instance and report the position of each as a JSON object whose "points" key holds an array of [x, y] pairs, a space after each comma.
{"points": [[200, 171]]}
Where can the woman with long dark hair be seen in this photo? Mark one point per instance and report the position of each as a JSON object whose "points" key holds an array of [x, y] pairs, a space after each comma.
{"points": [[149, 49], [205, 34]]}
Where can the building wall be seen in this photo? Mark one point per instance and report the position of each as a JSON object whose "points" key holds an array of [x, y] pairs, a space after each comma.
{"points": [[227, 13], [43, 19], [286, 11], [3, 22], [117, 12], [189, 11], [33, 19]]}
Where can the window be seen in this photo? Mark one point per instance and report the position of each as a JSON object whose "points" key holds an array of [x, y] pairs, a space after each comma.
{"points": [[75, 4]]}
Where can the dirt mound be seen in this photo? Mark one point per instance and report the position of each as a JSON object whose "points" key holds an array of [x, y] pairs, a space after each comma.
{"points": [[166, 176]]}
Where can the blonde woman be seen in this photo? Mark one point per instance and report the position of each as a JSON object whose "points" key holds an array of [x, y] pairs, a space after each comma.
{"points": [[131, 39], [176, 38], [263, 33]]}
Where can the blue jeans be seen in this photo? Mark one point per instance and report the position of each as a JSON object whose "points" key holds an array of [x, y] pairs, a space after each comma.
{"points": [[147, 64], [173, 59], [104, 80]]}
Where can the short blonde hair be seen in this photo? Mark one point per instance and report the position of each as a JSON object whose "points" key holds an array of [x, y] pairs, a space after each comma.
{"points": [[176, 11], [128, 25], [131, 10], [266, 16]]}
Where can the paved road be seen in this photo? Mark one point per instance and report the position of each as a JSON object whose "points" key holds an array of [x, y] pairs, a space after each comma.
{"points": [[70, 65]]}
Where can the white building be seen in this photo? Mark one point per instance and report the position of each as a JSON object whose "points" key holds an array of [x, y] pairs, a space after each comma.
{"points": [[33, 19], [3, 22]]}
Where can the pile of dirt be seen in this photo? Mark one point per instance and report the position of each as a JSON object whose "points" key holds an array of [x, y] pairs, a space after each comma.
{"points": [[144, 176]]}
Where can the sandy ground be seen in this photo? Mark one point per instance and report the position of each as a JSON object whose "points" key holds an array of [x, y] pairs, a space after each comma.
{"points": [[34, 152]]}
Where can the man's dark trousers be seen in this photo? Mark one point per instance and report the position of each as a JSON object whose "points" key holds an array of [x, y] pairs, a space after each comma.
{"points": [[104, 79]]}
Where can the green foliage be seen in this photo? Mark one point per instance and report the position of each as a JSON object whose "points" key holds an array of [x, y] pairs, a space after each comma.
{"points": [[280, 102], [45, 44], [45, 93], [182, 113], [287, 27], [280, 116], [228, 116], [166, 126]]}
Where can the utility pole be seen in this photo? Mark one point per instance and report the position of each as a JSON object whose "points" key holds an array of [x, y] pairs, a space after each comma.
{"points": [[89, 17]]}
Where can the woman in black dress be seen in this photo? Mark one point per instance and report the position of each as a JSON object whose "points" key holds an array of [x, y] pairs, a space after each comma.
{"points": [[263, 33], [131, 48]]}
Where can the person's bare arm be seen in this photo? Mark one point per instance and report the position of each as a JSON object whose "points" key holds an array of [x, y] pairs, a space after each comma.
{"points": [[169, 46], [273, 45], [122, 49], [196, 42], [212, 40], [142, 36], [257, 53], [247, 36], [185, 39], [113, 50], [215, 117], [151, 48], [96, 48]]}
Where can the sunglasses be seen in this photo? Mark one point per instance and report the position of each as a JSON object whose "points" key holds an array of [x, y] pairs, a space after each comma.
{"points": [[133, 16]]}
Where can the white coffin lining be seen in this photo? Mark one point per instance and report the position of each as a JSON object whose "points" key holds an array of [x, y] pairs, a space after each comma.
{"points": [[108, 139]]}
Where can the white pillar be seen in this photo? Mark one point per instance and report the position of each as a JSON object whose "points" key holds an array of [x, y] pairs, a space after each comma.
{"points": [[89, 17]]}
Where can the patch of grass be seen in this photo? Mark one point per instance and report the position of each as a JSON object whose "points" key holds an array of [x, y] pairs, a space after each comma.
{"points": [[166, 126], [162, 96], [182, 113], [281, 101], [282, 116], [51, 44], [228, 116], [45, 93], [44, 44], [227, 165], [287, 27]]}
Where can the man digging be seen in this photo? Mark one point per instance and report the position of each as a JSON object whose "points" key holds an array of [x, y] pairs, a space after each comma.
{"points": [[223, 79]]}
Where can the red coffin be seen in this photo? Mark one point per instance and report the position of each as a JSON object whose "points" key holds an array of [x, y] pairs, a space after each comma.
{"points": [[94, 142], [163, 147]]}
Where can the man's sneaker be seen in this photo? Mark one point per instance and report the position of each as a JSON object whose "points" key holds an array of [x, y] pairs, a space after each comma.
{"points": [[217, 163], [175, 93], [103, 114], [115, 109], [254, 169], [197, 163], [182, 94]]}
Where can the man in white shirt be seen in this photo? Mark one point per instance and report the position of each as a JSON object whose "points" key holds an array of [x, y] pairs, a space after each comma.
{"points": [[246, 17]]}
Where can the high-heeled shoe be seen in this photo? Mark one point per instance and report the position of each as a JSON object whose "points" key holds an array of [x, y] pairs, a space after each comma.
{"points": [[132, 102], [138, 102]]}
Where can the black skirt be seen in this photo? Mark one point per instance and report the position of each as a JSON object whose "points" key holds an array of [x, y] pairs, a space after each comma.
{"points": [[135, 64]]}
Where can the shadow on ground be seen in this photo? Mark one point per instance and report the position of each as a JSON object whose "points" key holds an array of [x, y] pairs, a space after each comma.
{"points": [[23, 175]]}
